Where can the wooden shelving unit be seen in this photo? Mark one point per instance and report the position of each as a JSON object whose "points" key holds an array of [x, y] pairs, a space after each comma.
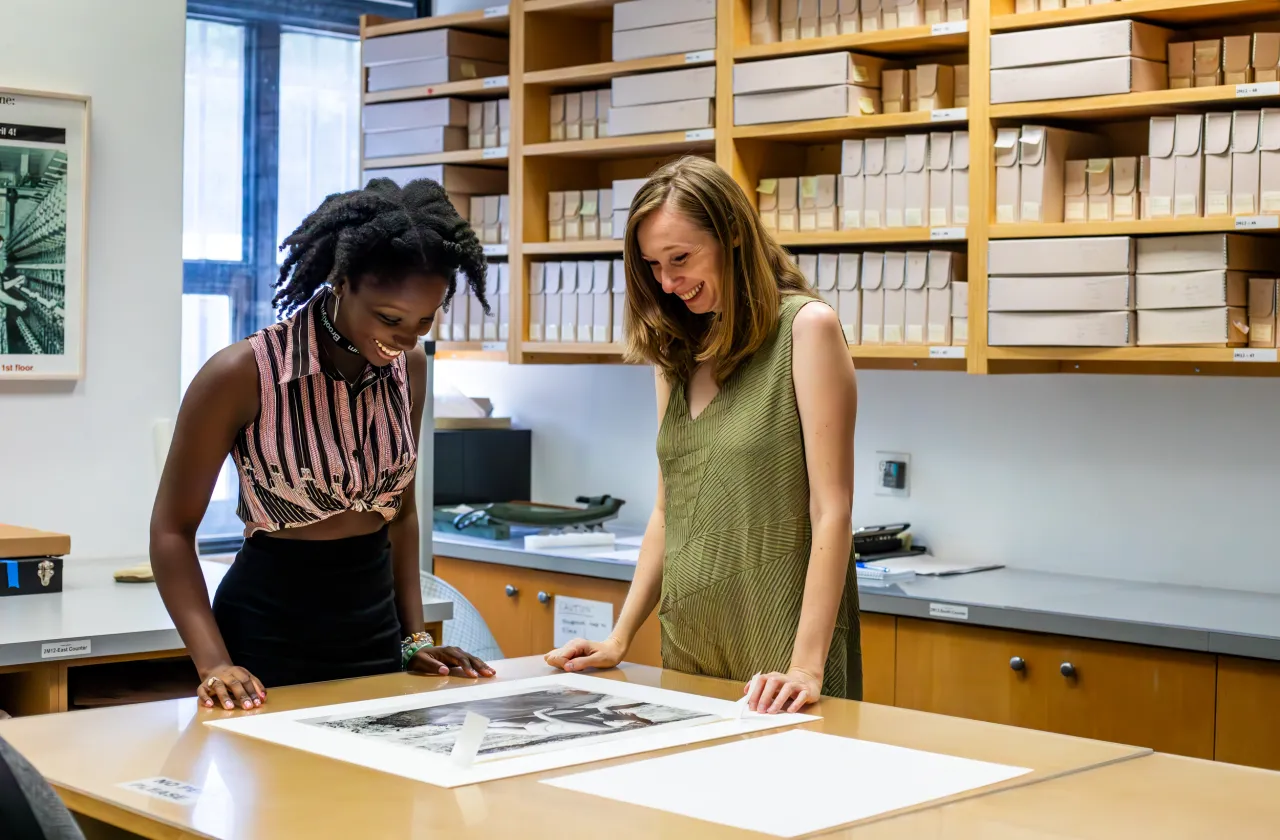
{"points": [[560, 46]]}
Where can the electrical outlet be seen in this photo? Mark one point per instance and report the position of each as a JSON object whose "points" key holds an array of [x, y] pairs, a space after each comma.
{"points": [[893, 474]]}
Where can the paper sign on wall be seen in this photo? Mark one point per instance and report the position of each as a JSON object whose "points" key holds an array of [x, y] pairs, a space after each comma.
{"points": [[577, 618]]}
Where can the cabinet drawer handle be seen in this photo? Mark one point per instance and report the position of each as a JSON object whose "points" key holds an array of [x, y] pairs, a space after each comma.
{"points": [[543, 598], [1017, 663], [1067, 669], [511, 591]]}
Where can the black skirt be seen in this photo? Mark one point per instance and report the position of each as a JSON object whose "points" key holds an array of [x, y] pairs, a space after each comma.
{"points": [[302, 611]]}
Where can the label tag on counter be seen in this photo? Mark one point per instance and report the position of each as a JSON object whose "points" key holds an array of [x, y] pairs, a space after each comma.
{"points": [[1253, 354], [1257, 222], [497, 81], [161, 787], [1258, 89], [959, 612], [939, 234], [578, 618], [946, 352], [494, 347], [58, 650], [700, 134], [497, 11], [495, 250], [951, 27], [493, 153], [949, 115], [699, 57]]}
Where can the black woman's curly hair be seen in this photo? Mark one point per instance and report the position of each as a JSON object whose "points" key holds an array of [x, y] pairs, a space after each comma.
{"points": [[385, 232]]}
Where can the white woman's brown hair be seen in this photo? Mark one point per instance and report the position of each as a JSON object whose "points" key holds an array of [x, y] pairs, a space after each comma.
{"points": [[755, 273]]}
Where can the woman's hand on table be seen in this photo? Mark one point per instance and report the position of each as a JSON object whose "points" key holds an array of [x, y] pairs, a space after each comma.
{"points": [[443, 661], [580, 654], [790, 692], [230, 687]]}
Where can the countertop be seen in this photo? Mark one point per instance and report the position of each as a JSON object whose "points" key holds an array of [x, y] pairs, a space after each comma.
{"points": [[1191, 618], [112, 618]]}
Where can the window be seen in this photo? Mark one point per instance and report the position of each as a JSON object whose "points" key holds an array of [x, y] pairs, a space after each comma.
{"points": [[272, 126]]}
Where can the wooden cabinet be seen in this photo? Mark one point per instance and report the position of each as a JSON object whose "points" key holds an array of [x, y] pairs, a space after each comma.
{"points": [[878, 658], [1248, 728], [519, 605], [1151, 697]]}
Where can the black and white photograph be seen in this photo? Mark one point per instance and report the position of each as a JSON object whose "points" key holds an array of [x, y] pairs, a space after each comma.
{"points": [[42, 216], [533, 720]]}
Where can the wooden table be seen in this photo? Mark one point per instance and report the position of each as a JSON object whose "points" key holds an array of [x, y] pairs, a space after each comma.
{"points": [[252, 789]]}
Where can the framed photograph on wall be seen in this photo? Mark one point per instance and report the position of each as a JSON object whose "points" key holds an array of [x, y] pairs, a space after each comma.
{"points": [[44, 179]]}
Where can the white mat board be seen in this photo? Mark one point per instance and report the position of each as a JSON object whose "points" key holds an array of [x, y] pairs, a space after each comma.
{"points": [[537, 724], [788, 784]]}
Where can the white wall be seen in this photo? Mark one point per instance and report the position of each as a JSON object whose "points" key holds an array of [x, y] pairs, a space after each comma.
{"points": [[1150, 478], [80, 459]]}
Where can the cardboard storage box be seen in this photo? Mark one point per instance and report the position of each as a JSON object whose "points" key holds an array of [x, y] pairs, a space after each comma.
{"points": [[962, 86], [1066, 256], [465, 180], [1262, 311], [808, 14], [1182, 65], [1206, 251], [894, 284], [849, 19], [1098, 188], [874, 184], [1266, 56], [849, 297], [959, 177], [916, 318], [1060, 329], [807, 71], [895, 177], [431, 71], [1237, 64], [1190, 289], [939, 179], [895, 93], [811, 104], [946, 268], [915, 211], [1043, 153], [1124, 188], [434, 43], [870, 14], [642, 14], [1217, 164], [1217, 326], [1075, 191], [1086, 42], [872, 283], [1083, 78], [1269, 161], [932, 87], [414, 141], [765, 28], [663, 116], [664, 40], [1176, 166], [415, 113], [1207, 57], [788, 205], [1245, 162], [1070, 293], [1008, 177], [789, 20], [671, 86], [767, 203]]}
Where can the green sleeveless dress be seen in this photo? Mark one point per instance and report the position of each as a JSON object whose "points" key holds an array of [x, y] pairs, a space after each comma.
{"points": [[737, 528]]}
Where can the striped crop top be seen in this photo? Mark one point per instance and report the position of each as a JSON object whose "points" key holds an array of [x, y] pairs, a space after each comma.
{"points": [[319, 446]]}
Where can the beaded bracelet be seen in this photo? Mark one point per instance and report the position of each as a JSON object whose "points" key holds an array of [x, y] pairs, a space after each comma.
{"points": [[411, 646]]}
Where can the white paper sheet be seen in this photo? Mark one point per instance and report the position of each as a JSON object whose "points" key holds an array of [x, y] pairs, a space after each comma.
{"points": [[578, 618], [533, 727], [789, 784], [631, 541], [924, 565]]}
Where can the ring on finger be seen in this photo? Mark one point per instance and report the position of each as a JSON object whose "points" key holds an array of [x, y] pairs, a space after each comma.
{"points": [[211, 682]]}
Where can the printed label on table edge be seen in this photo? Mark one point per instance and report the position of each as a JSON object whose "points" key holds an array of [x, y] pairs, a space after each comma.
{"points": [[956, 611], [59, 650]]}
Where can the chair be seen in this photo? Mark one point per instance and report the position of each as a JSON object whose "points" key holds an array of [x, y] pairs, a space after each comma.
{"points": [[467, 629]]}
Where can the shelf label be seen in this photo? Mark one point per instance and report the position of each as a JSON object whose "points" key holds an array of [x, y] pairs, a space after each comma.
{"points": [[1257, 222], [949, 115], [494, 154], [943, 234], [1258, 89], [699, 57], [495, 250], [946, 352], [700, 134], [497, 11], [1253, 354], [951, 27], [59, 650], [494, 346], [957, 611], [496, 82]]}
